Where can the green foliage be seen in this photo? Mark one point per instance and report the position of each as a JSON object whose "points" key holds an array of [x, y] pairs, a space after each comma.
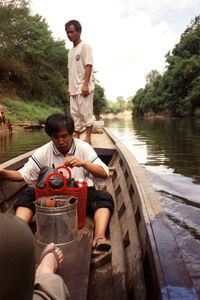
{"points": [[99, 101], [194, 93], [35, 111], [112, 107], [32, 64], [31, 61], [197, 112], [121, 102], [120, 106], [151, 76], [177, 91]]}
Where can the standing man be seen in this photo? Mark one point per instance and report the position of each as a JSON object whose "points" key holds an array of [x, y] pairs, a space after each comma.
{"points": [[81, 88]]}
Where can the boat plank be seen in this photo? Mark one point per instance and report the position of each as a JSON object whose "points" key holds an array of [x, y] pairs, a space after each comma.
{"points": [[137, 204], [76, 265], [17, 162], [165, 253], [137, 275], [100, 140], [118, 259], [8, 189]]}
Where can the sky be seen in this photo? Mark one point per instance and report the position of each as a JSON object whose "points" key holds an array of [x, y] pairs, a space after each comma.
{"points": [[129, 38]]}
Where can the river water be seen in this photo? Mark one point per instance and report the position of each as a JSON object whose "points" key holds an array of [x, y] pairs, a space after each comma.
{"points": [[169, 150]]}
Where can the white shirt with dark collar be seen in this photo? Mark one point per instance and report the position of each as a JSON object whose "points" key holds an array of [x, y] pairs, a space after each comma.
{"points": [[48, 155]]}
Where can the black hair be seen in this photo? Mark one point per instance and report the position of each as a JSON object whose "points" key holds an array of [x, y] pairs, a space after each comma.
{"points": [[56, 122], [76, 24]]}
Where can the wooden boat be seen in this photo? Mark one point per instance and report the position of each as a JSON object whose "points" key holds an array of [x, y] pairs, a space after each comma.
{"points": [[145, 261]]}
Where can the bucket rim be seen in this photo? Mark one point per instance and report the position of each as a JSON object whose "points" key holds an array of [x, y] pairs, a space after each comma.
{"points": [[69, 205]]}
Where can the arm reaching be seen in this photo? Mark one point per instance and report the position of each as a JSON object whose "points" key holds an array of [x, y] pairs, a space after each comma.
{"points": [[94, 169], [11, 175]]}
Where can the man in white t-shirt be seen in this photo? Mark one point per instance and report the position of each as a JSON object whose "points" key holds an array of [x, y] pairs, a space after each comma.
{"points": [[81, 87], [83, 162]]}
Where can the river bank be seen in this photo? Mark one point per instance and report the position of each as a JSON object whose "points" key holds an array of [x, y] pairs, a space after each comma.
{"points": [[128, 115], [120, 115], [21, 127]]}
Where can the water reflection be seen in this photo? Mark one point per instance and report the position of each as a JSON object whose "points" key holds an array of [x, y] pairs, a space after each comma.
{"points": [[124, 130], [154, 142], [16, 143], [5, 141], [169, 151], [177, 140]]}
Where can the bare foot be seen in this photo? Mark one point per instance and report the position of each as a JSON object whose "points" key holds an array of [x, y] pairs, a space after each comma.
{"points": [[49, 263]]}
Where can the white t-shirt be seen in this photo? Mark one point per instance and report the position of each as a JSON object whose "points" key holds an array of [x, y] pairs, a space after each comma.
{"points": [[78, 58], [49, 156]]}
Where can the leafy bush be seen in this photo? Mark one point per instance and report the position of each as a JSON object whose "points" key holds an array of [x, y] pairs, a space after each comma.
{"points": [[197, 112]]}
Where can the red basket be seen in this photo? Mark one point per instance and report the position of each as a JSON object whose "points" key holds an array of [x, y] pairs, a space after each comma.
{"points": [[80, 193]]}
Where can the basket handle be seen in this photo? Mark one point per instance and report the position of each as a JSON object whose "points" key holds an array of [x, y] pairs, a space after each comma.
{"points": [[68, 170], [57, 174]]}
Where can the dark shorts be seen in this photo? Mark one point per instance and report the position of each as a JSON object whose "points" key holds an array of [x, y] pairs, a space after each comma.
{"points": [[98, 199], [95, 199]]}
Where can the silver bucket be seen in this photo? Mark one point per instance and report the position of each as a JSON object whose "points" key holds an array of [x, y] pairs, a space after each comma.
{"points": [[57, 224]]}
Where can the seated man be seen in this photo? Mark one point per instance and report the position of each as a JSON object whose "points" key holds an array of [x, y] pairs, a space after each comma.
{"points": [[83, 162]]}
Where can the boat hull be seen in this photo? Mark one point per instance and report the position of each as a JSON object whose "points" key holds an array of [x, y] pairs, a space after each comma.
{"points": [[145, 259]]}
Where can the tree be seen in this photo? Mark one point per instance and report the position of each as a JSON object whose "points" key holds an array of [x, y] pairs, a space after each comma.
{"points": [[99, 100], [177, 91], [151, 76], [31, 61], [121, 102], [193, 25]]}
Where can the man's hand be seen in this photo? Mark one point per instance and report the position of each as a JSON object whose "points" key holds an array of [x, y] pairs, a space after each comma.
{"points": [[68, 94], [94, 169], [85, 90], [74, 162]]}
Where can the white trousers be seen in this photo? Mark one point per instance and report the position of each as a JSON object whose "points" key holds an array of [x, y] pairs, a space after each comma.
{"points": [[81, 109]]}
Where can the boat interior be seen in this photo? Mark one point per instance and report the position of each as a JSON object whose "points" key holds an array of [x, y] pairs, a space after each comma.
{"points": [[144, 261]]}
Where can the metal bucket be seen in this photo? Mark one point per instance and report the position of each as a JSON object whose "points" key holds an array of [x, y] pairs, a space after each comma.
{"points": [[57, 224]]}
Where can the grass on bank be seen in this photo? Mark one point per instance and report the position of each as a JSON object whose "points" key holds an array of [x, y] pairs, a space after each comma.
{"points": [[35, 112]]}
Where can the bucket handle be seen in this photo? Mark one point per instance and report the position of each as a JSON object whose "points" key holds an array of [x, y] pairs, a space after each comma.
{"points": [[68, 170], [61, 175]]}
